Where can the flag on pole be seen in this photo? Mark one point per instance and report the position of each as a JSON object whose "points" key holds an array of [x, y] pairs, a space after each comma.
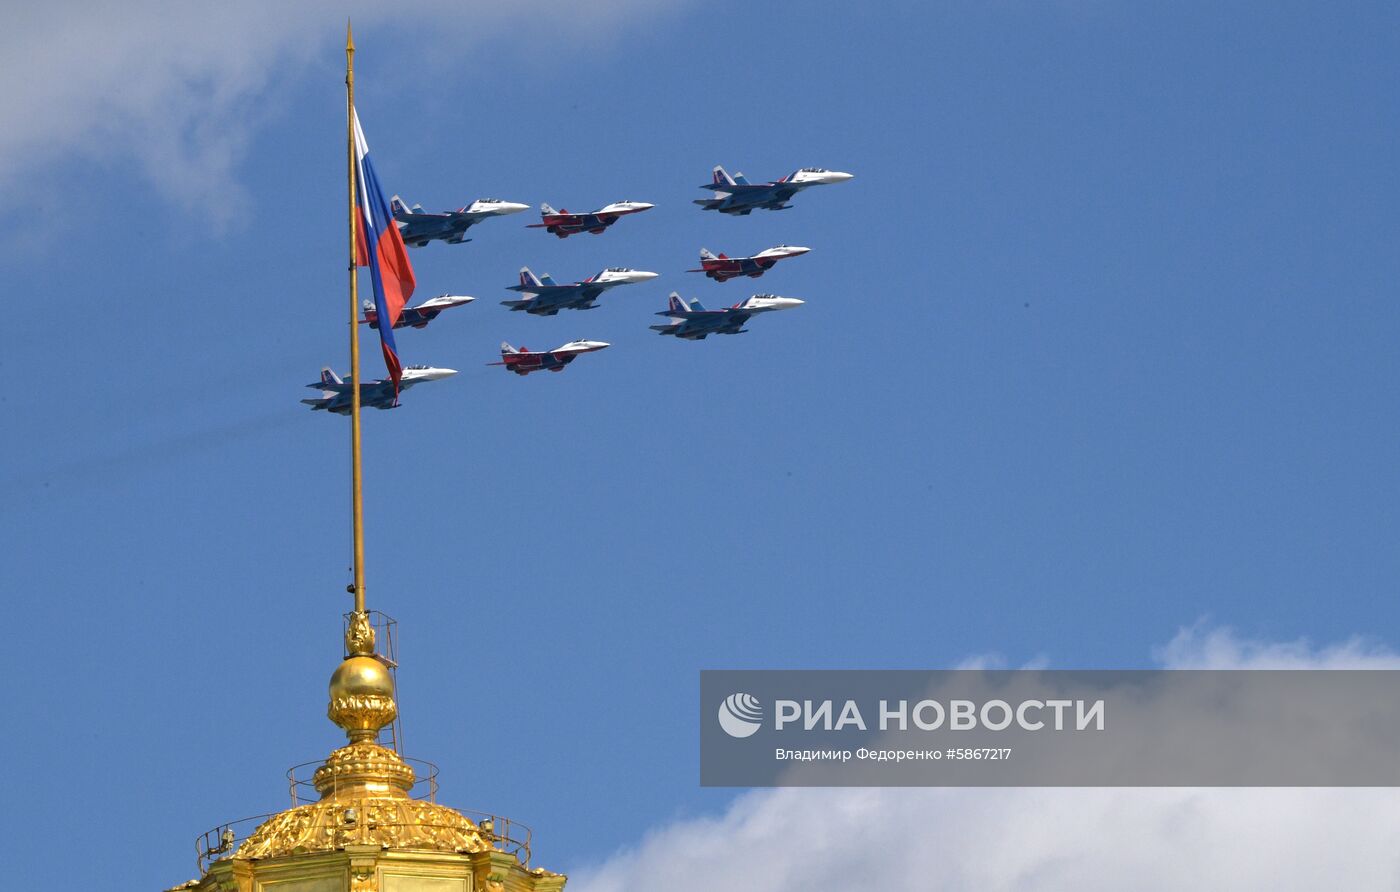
{"points": [[380, 247]]}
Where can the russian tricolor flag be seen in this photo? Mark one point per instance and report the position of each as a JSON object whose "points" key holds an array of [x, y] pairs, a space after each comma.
{"points": [[380, 247]]}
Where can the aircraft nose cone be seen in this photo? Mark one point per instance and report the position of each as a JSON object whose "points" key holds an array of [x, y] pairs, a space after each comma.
{"points": [[771, 302], [644, 276], [798, 249], [596, 345], [643, 205], [837, 176], [439, 374], [513, 207]]}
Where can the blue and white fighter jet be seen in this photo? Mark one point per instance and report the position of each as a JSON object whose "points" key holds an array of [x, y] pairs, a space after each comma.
{"points": [[418, 227], [736, 195], [417, 316], [335, 392], [545, 297], [695, 323]]}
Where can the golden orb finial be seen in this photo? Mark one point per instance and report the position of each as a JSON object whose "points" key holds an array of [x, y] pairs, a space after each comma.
{"points": [[362, 697]]}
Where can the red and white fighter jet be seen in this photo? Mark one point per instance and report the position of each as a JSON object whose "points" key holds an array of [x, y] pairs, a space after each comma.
{"points": [[523, 362], [564, 224], [722, 268]]}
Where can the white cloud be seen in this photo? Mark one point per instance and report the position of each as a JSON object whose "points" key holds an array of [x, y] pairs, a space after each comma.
{"points": [[791, 839], [1203, 647], [159, 83]]}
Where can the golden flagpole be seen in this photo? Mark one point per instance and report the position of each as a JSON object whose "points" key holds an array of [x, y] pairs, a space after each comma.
{"points": [[357, 481]]}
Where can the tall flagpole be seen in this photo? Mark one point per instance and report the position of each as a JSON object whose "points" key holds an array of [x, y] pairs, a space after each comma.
{"points": [[357, 482]]}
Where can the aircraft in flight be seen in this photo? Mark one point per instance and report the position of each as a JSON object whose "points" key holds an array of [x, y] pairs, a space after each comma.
{"points": [[418, 227], [335, 392], [545, 297], [694, 323], [523, 362], [564, 224], [419, 316], [722, 267], [736, 195]]}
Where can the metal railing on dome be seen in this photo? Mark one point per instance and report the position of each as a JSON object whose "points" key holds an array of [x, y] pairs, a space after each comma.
{"points": [[301, 782]]}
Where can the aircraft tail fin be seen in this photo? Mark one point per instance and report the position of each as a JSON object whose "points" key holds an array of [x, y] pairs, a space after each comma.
{"points": [[547, 210], [506, 348], [740, 179], [367, 305], [397, 205], [329, 377], [529, 279], [722, 177], [677, 304], [707, 254], [547, 279]]}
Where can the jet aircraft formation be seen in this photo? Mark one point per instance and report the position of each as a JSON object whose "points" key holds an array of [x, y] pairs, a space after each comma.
{"points": [[540, 295]]}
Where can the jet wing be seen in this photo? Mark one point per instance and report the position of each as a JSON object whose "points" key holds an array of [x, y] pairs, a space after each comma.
{"points": [[736, 187], [331, 386], [541, 290], [420, 217], [378, 395]]}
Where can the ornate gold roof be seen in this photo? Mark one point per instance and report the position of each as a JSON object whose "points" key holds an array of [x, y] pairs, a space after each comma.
{"points": [[388, 823]]}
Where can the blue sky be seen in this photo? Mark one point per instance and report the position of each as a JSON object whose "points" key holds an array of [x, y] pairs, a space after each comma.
{"points": [[1099, 342]]}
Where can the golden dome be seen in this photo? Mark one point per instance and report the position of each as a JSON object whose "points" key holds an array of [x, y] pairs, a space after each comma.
{"points": [[386, 823]]}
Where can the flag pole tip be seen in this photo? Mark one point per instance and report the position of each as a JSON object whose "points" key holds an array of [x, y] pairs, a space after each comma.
{"points": [[349, 37]]}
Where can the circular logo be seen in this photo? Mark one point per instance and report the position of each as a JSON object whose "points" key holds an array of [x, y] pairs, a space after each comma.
{"points": [[740, 715]]}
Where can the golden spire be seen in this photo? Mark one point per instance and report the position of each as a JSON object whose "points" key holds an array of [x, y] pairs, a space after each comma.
{"points": [[356, 478]]}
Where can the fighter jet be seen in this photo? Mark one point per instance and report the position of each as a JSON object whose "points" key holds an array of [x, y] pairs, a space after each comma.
{"points": [[545, 297], [419, 227], [564, 224], [722, 268], [419, 316], [736, 195], [523, 362], [335, 393], [694, 322]]}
